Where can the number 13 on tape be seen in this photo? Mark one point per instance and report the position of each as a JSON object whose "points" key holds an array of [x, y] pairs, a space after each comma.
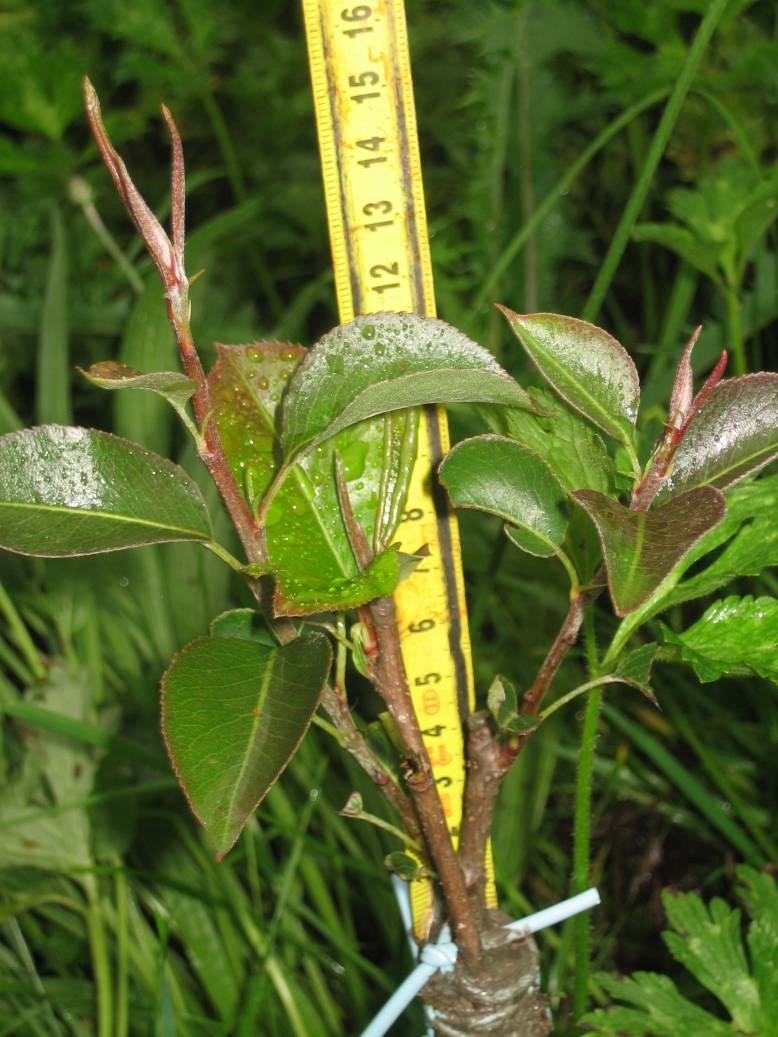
{"points": [[366, 124]]}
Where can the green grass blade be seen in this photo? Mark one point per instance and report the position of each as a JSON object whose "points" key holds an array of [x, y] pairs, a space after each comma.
{"points": [[52, 397]]}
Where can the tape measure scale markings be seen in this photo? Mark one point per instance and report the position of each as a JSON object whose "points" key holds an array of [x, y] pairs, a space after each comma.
{"points": [[363, 96]]}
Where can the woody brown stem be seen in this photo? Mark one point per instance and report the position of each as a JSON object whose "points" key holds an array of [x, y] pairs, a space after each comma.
{"points": [[391, 684], [487, 765], [353, 741], [387, 673]]}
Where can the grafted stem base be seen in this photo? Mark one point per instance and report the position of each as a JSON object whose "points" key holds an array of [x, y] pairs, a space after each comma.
{"points": [[499, 997]]}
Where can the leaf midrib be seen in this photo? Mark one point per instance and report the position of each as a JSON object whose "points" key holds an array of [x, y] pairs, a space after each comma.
{"points": [[257, 714], [606, 418], [107, 515], [298, 473]]}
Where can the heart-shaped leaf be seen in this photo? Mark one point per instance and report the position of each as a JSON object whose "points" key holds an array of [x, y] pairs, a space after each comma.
{"points": [[571, 448], [734, 435], [585, 365], [734, 635], [385, 362], [500, 476], [74, 491], [307, 543], [233, 714], [642, 548]]}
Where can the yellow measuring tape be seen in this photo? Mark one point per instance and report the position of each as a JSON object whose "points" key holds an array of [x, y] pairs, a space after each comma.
{"points": [[366, 122]]}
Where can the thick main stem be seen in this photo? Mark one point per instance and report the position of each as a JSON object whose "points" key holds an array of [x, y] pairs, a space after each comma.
{"points": [[391, 684]]}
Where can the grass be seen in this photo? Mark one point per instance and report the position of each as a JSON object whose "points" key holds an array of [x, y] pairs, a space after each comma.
{"points": [[547, 130]]}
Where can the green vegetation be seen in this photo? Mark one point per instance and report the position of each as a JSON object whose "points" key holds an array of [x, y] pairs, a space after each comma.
{"points": [[611, 161]]}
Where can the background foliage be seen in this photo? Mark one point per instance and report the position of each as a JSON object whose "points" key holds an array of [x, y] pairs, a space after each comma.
{"points": [[108, 891]]}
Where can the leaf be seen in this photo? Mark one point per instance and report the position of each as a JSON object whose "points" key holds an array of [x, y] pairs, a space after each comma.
{"points": [[734, 435], [585, 365], [74, 491], [244, 624], [385, 362], [571, 448], [499, 476], [306, 539], [659, 1009], [172, 386], [759, 893], [702, 255], [634, 669], [303, 594], [734, 635], [233, 713], [502, 702], [708, 942], [642, 548]]}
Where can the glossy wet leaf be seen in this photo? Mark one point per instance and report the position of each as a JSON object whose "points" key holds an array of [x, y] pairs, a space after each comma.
{"points": [[302, 594], [233, 713], [74, 491], [385, 362], [734, 635], [568, 444], [503, 478], [734, 435], [306, 538], [172, 386], [642, 548], [585, 365]]}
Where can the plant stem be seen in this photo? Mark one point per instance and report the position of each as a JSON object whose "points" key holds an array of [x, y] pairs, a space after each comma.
{"points": [[122, 952], [565, 639], [735, 330], [581, 847], [336, 707], [487, 765], [100, 964], [659, 142], [391, 684]]}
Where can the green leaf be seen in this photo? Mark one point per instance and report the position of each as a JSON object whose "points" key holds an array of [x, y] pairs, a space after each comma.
{"points": [[759, 893], [708, 942], [585, 365], [172, 386], [306, 538], [500, 476], [74, 491], [571, 448], [303, 594], [244, 624], [702, 255], [642, 548], [233, 713], [659, 1009], [634, 669], [734, 635], [502, 702], [386, 362], [734, 435]]}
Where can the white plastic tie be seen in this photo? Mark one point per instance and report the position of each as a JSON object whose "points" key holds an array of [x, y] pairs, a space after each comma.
{"points": [[442, 956]]}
